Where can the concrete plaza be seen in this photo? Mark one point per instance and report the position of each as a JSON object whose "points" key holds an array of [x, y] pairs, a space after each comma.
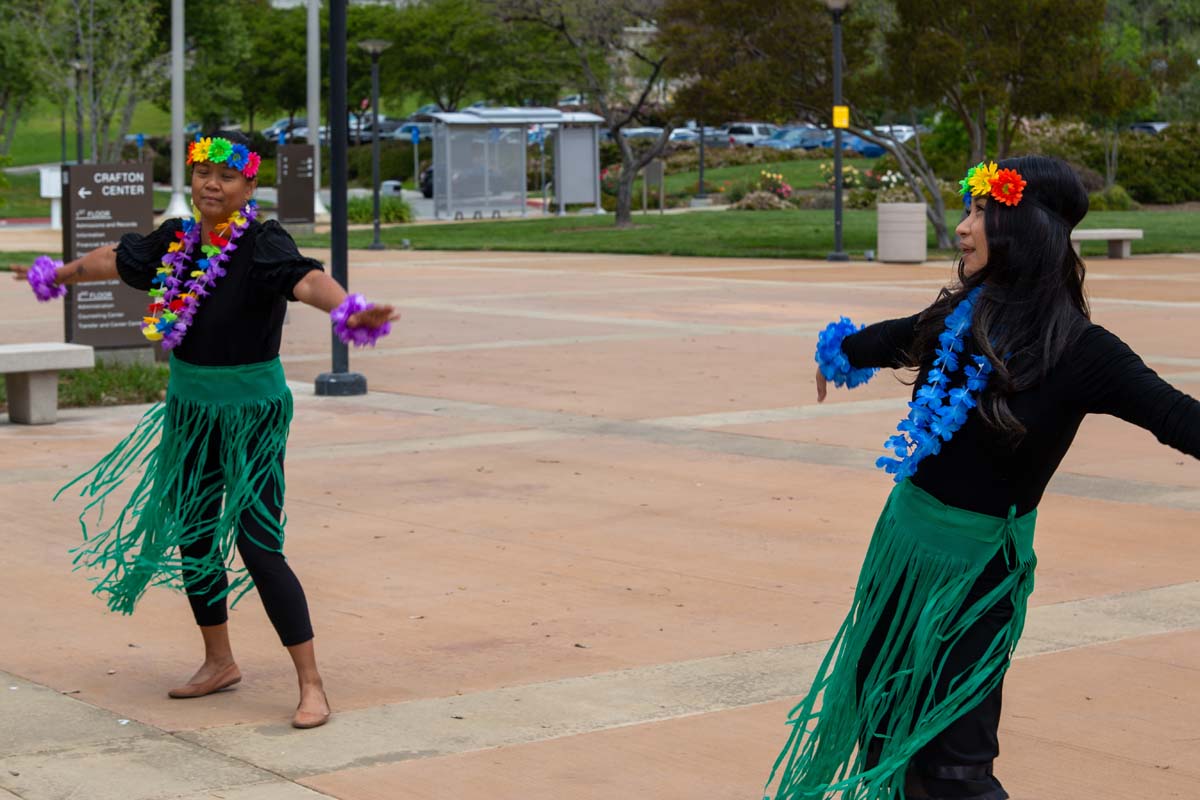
{"points": [[584, 540]]}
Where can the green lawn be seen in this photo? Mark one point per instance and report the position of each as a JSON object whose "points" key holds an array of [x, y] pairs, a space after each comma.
{"points": [[801, 174], [107, 385], [38, 137], [8, 257], [740, 234]]}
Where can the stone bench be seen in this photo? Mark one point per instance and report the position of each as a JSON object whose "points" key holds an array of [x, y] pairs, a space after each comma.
{"points": [[31, 377], [1119, 239]]}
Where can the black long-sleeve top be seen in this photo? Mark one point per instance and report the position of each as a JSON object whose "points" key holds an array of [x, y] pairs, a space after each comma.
{"points": [[984, 470], [241, 321]]}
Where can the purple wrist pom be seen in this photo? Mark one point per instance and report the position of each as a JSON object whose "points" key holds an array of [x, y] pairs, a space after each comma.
{"points": [[833, 362], [361, 336], [42, 279]]}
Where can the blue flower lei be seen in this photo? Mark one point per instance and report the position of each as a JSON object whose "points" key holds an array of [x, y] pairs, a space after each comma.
{"points": [[833, 362], [938, 412]]}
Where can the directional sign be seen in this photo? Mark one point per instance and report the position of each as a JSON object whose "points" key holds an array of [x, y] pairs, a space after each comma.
{"points": [[102, 203], [416, 135], [295, 164]]}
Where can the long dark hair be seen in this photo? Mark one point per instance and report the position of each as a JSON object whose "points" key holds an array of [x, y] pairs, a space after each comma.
{"points": [[1032, 304]]}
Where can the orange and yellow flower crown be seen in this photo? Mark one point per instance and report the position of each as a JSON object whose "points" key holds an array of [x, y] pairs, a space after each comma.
{"points": [[985, 179], [217, 150]]}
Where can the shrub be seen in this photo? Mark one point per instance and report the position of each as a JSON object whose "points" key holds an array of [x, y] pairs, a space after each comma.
{"points": [[361, 210], [852, 177], [774, 183], [1114, 198], [1158, 168], [395, 161], [761, 201], [861, 198]]}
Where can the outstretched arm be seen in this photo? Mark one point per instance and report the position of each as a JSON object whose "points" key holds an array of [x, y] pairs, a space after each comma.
{"points": [[1110, 378], [98, 265], [849, 357], [319, 290]]}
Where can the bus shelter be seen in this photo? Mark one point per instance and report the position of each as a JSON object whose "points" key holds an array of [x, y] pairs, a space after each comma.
{"points": [[480, 159]]}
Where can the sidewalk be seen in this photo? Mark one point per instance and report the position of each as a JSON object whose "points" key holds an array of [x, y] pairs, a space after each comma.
{"points": [[586, 539]]}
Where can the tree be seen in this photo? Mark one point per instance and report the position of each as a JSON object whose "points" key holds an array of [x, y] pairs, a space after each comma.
{"points": [[1000, 61], [17, 78], [620, 64], [113, 39], [738, 59]]}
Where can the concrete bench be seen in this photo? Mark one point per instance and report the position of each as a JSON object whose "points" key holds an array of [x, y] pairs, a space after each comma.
{"points": [[1119, 239], [31, 377]]}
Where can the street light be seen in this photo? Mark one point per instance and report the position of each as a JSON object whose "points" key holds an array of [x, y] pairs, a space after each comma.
{"points": [[375, 47], [836, 9], [339, 381], [79, 66]]}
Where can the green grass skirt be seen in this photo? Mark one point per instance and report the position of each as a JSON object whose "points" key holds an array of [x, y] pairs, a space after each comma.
{"points": [[205, 457], [924, 557]]}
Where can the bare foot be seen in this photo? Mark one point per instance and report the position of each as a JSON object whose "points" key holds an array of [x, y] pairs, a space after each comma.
{"points": [[313, 710], [212, 677]]}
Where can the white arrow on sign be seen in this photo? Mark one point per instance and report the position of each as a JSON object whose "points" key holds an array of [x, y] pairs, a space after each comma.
{"points": [[83, 192]]}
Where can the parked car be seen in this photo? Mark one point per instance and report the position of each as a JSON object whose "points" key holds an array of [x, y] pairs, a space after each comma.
{"points": [[572, 100], [404, 132], [802, 137], [901, 133], [1149, 127], [683, 135], [282, 126], [648, 132], [424, 111], [748, 133], [861, 146]]}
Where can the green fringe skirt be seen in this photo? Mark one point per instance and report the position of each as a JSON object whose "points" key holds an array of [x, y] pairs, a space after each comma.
{"points": [[873, 705], [204, 456]]}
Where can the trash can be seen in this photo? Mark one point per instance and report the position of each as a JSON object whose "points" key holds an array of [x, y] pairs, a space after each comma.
{"points": [[390, 189], [901, 232]]}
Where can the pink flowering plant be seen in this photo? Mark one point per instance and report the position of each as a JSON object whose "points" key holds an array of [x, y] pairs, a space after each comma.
{"points": [[774, 183]]}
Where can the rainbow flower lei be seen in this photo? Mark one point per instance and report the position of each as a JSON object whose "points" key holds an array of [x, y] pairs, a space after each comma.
{"points": [[170, 311], [218, 150], [986, 179]]}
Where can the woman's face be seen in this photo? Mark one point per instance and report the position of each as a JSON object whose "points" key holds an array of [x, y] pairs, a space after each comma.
{"points": [[972, 239], [218, 190]]}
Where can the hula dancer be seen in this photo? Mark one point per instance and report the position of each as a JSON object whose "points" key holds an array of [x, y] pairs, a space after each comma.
{"points": [[212, 454], [907, 702]]}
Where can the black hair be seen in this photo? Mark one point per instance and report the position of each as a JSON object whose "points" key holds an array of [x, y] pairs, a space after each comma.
{"points": [[1030, 311], [234, 137]]}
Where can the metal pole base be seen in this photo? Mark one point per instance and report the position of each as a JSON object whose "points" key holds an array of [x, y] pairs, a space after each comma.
{"points": [[837, 255], [179, 206], [341, 384], [377, 246]]}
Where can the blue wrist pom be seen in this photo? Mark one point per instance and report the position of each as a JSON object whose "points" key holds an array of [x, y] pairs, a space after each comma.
{"points": [[833, 362]]}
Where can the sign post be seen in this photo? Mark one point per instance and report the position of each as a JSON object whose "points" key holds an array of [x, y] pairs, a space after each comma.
{"points": [[296, 177], [654, 175], [101, 203], [416, 143]]}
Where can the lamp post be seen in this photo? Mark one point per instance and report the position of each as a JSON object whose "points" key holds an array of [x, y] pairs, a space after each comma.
{"points": [[375, 47], [180, 204], [837, 8], [79, 66], [339, 381]]}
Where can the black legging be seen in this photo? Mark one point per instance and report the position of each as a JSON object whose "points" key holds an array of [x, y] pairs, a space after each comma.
{"points": [[280, 590], [957, 763]]}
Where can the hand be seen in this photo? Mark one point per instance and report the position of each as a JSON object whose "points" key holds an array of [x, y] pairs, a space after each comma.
{"points": [[20, 271], [373, 317], [821, 386]]}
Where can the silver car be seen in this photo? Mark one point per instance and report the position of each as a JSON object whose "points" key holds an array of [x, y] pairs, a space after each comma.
{"points": [[749, 133]]}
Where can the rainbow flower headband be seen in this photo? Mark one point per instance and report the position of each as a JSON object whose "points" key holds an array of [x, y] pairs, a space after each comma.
{"points": [[216, 150], [985, 179]]}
